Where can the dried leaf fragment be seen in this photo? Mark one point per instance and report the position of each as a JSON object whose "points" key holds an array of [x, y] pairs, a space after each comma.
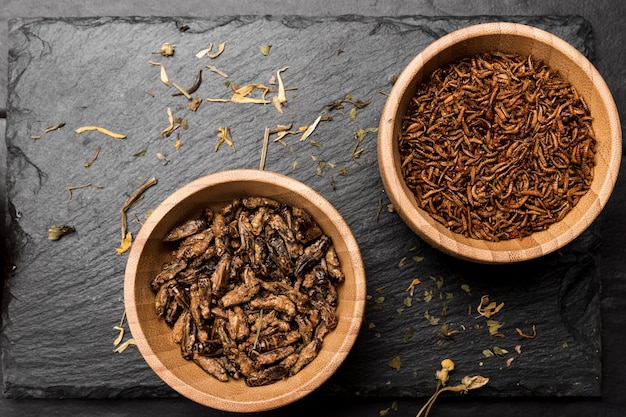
{"points": [[56, 232], [486, 308], [411, 287], [224, 136], [55, 127], [204, 52], [164, 79], [309, 131], [220, 49], [396, 363], [494, 327], [281, 99], [101, 130], [473, 382], [121, 348], [265, 49], [120, 336], [120, 329], [195, 103], [498, 351], [242, 95]]}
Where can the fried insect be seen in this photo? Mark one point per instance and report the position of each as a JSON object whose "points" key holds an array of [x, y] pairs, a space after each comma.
{"points": [[250, 290]]}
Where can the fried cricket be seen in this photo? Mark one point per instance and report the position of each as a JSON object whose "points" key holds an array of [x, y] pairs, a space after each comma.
{"points": [[250, 290]]}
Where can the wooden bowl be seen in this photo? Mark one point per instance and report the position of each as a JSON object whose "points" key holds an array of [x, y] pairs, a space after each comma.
{"points": [[154, 337], [559, 56]]}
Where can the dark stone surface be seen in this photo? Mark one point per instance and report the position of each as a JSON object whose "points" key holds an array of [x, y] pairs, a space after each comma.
{"points": [[63, 298]]}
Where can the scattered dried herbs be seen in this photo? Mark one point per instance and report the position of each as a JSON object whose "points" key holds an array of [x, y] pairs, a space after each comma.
{"points": [[468, 383], [497, 146]]}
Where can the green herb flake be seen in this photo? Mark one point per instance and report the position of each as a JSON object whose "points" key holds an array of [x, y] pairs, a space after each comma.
{"points": [[265, 49], [408, 334], [396, 363], [499, 351]]}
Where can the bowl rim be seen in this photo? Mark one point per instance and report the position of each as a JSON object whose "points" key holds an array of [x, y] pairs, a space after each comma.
{"points": [[354, 321], [387, 150]]}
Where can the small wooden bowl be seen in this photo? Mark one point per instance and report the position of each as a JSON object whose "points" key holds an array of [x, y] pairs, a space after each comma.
{"points": [[559, 56], [154, 337]]}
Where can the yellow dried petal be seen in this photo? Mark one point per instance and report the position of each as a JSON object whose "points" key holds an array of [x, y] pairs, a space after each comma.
{"points": [[310, 129], [474, 382], [119, 338], [220, 49], [204, 52], [128, 239], [282, 97], [447, 364], [164, 78], [101, 130], [353, 114], [121, 348]]}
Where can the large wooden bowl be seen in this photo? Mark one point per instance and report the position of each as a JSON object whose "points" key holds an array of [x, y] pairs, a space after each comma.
{"points": [[154, 337], [558, 55]]}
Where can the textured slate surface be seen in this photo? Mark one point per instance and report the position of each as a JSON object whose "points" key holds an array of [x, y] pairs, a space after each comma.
{"points": [[64, 297]]}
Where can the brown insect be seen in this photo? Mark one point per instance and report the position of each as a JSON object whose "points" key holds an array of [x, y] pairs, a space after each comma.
{"points": [[497, 146], [250, 290]]}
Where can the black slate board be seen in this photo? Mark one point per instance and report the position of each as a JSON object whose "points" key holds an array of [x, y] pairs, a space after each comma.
{"points": [[62, 299]]}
